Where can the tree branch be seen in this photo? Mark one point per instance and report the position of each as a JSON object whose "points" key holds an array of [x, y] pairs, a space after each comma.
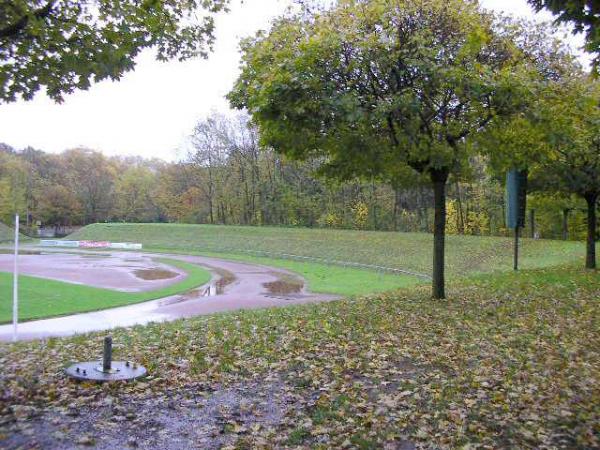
{"points": [[13, 30]]}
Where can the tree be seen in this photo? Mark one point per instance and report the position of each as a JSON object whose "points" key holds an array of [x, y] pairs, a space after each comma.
{"points": [[91, 176], [378, 86], [570, 116], [171, 185], [134, 193], [208, 156], [66, 45], [557, 141], [583, 14], [58, 206], [13, 186]]}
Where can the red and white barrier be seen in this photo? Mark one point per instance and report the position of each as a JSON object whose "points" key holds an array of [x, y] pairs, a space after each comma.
{"points": [[90, 244]]}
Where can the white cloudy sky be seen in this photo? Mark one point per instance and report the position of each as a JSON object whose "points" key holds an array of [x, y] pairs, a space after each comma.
{"points": [[152, 109]]}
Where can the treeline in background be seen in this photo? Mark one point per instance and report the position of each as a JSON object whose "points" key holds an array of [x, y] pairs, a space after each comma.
{"points": [[225, 177]]}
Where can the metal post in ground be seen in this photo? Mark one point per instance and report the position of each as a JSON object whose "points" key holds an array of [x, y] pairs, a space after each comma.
{"points": [[516, 256], [16, 281], [107, 355], [107, 369]]}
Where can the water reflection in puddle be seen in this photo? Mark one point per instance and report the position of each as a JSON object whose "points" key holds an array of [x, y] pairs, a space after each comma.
{"points": [[284, 286], [216, 288], [154, 274]]}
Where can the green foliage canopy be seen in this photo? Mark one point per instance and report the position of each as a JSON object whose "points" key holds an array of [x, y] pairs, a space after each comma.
{"points": [[583, 14], [570, 116], [66, 44], [380, 85]]}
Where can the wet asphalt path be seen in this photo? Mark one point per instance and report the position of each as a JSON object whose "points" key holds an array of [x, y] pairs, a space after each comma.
{"points": [[234, 286]]}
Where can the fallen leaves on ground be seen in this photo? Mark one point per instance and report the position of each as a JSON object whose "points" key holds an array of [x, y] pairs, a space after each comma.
{"points": [[511, 361]]}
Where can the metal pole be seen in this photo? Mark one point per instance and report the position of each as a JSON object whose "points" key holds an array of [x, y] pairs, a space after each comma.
{"points": [[516, 261], [16, 280], [107, 357]]}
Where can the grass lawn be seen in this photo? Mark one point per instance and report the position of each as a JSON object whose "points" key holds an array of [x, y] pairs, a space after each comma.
{"points": [[510, 360], [465, 254], [40, 298]]}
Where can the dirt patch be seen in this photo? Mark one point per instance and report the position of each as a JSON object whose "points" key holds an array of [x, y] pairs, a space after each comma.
{"points": [[154, 274]]}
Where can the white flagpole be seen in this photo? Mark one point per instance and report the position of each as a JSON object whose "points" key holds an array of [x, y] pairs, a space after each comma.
{"points": [[16, 281]]}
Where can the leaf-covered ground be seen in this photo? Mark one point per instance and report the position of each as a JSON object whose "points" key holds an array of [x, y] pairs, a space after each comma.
{"points": [[511, 361]]}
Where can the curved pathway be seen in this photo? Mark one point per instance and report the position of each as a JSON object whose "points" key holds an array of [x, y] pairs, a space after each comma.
{"points": [[234, 286]]}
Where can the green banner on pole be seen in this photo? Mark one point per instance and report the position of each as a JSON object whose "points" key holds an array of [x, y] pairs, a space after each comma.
{"points": [[516, 198]]}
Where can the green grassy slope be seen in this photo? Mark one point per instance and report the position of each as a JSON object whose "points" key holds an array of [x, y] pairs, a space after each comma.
{"points": [[40, 298], [508, 361], [7, 234], [412, 251]]}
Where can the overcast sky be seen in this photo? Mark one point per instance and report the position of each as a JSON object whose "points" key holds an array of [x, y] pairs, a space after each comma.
{"points": [[151, 110]]}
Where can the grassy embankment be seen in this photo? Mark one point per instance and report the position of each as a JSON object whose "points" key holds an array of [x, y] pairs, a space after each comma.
{"points": [[466, 255], [510, 360], [40, 298], [7, 235]]}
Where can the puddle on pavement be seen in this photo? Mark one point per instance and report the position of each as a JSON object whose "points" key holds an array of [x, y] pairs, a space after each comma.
{"points": [[218, 287], [154, 274], [284, 286]]}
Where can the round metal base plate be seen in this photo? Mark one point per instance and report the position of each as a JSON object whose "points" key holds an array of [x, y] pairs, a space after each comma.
{"points": [[92, 371]]}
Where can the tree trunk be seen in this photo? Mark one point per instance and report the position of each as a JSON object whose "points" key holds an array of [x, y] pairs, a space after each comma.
{"points": [[395, 213], [565, 224], [439, 178], [590, 254], [374, 205], [460, 216], [424, 201], [211, 189], [532, 222]]}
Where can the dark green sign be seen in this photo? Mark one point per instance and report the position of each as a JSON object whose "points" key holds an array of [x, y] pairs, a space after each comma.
{"points": [[516, 198]]}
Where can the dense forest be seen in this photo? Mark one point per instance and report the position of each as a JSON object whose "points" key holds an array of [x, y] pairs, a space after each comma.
{"points": [[225, 177]]}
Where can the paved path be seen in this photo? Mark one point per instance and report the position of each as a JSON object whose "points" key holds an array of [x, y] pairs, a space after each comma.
{"points": [[121, 272], [234, 286]]}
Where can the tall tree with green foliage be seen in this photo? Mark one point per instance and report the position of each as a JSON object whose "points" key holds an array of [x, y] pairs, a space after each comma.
{"points": [[384, 85], [557, 141], [64, 45], [570, 164]]}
